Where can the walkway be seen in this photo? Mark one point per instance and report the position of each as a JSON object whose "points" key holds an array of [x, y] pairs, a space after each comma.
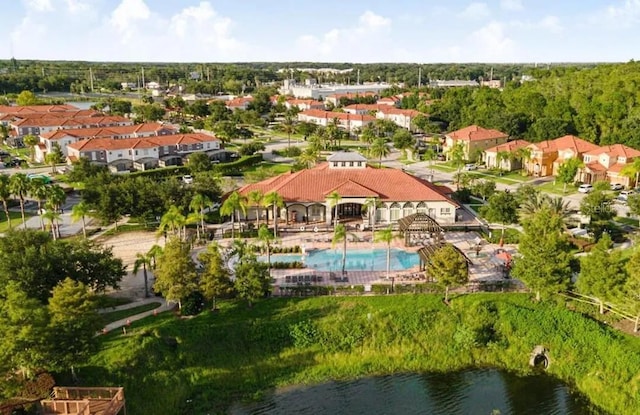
{"points": [[164, 306]]}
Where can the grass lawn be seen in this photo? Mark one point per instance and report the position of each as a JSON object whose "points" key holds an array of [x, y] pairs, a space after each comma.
{"points": [[513, 177], [120, 314], [16, 219], [274, 168], [206, 363], [475, 208], [130, 227], [557, 188], [443, 167]]}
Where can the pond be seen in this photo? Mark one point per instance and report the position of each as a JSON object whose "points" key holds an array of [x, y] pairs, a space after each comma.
{"points": [[480, 391]]}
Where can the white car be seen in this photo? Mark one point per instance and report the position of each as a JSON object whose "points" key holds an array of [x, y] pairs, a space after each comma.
{"points": [[469, 167], [624, 195], [187, 179], [585, 188], [616, 186]]}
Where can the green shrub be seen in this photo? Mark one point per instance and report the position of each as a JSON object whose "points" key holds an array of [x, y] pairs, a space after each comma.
{"points": [[304, 333], [511, 236]]}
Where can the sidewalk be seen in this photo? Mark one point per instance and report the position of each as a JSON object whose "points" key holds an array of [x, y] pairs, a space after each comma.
{"points": [[126, 321]]}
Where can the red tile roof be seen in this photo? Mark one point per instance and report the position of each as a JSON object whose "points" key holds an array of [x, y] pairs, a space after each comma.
{"points": [[94, 144], [353, 95], [567, 142], [239, 102], [10, 109], [476, 133], [388, 109], [616, 150], [70, 122], [339, 115], [596, 167], [365, 107], [313, 185], [107, 132], [509, 146]]}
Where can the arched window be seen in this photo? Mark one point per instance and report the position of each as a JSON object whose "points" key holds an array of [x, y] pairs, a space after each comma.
{"points": [[422, 208], [407, 210], [395, 212]]}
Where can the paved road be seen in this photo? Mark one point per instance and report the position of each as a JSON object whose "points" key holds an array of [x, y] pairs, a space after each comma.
{"points": [[67, 226]]}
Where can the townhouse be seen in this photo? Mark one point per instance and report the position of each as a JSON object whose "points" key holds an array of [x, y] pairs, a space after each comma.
{"points": [[304, 104], [494, 157], [41, 125], [607, 163], [547, 156], [474, 141], [240, 103], [361, 109], [64, 137], [345, 120], [400, 117], [142, 153]]}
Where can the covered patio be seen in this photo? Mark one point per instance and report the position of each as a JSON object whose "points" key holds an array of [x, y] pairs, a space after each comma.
{"points": [[420, 229], [427, 251]]}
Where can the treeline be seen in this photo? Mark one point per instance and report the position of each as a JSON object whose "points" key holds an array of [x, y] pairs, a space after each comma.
{"points": [[599, 104]]}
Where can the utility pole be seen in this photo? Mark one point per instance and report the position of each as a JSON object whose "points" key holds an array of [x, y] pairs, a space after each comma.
{"points": [[43, 71], [91, 78], [491, 75], [419, 77], [143, 83], [358, 79], [208, 78]]}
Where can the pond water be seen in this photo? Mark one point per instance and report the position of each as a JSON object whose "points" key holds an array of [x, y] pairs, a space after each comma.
{"points": [[357, 259], [481, 391]]}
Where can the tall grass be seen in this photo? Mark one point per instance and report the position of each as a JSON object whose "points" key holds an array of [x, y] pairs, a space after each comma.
{"points": [[202, 365]]}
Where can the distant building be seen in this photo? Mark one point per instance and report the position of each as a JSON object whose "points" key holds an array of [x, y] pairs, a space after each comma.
{"points": [[491, 83], [320, 92], [452, 83], [345, 120]]}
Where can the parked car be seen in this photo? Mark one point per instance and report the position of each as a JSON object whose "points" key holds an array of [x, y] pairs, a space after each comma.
{"points": [[624, 195], [585, 188], [187, 179], [470, 166], [616, 186]]}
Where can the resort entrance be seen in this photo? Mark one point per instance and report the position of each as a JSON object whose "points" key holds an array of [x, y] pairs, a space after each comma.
{"points": [[349, 210]]}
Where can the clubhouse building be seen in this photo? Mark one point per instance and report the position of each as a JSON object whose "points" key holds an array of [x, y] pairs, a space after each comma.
{"points": [[310, 195]]}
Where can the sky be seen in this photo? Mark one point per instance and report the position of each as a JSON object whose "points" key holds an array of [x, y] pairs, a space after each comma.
{"points": [[418, 31]]}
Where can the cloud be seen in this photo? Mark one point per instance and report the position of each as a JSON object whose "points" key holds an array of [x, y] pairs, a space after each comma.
{"points": [[549, 23], [127, 15], [475, 11], [38, 5], [492, 44], [625, 14], [350, 43], [77, 6], [513, 5]]}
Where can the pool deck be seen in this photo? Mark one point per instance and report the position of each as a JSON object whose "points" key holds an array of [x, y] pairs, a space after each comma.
{"points": [[483, 267]]}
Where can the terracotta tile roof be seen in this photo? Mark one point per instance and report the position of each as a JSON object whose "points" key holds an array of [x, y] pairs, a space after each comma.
{"points": [[509, 146], [10, 109], [339, 115], [596, 167], [476, 133], [239, 102], [567, 142], [616, 168], [58, 114], [70, 122], [313, 185], [365, 107], [616, 150], [94, 144], [392, 99], [108, 132], [387, 109], [304, 101]]}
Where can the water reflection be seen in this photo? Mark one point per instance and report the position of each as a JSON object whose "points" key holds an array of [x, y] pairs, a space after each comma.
{"points": [[470, 392]]}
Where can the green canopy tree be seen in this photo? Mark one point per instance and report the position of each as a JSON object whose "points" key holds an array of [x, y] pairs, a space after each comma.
{"points": [[501, 208], [602, 273], [73, 324], [234, 202], [449, 268], [567, 172], [176, 272], [79, 213], [253, 280], [198, 162], [597, 206], [215, 278], [631, 290], [544, 261]]}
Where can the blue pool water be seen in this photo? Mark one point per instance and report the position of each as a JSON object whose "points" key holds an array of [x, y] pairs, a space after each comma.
{"points": [[357, 259]]}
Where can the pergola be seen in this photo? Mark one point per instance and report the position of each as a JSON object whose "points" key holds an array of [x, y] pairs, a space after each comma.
{"points": [[426, 251], [420, 225]]}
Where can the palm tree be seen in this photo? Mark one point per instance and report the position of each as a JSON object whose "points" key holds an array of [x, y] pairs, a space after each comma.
{"points": [[539, 201], [52, 216], [340, 235], [288, 126], [379, 149], [387, 236], [233, 203], [56, 197], [197, 205], [38, 190], [19, 185], [501, 157], [144, 261], [275, 200], [30, 141], [308, 157], [334, 200], [154, 253], [80, 212], [266, 237], [456, 156], [372, 204], [5, 195], [255, 198], [172, 220]]}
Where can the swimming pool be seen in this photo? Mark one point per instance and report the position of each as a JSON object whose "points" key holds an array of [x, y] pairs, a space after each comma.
{"points": [[357, 259]]}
